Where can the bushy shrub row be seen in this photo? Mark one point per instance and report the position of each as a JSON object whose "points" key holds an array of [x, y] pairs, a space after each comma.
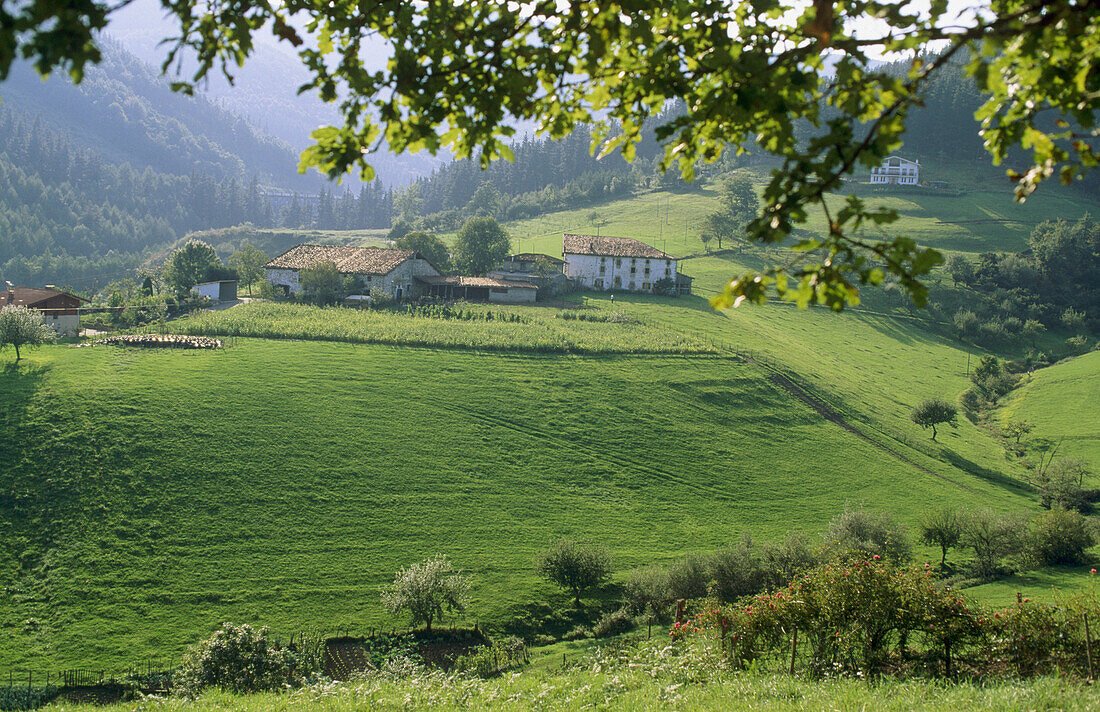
{"points": [[868, 617]]}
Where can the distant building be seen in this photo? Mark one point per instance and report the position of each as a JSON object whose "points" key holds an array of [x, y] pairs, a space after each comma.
{"points": [[896, 170], [224, 290], [615, 263], [60, 309], [543, 271], [393, 271], [480, 289]]}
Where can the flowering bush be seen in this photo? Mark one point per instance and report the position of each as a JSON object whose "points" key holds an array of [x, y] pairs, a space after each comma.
{"points": [[867, 617], [235, 658]]}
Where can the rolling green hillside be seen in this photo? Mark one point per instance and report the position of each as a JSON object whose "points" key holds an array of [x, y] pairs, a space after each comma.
{"points": [[1063, 404], [155, 494]]}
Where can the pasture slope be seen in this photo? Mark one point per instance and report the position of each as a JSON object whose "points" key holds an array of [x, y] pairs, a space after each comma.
{"points": [[149, 496]]}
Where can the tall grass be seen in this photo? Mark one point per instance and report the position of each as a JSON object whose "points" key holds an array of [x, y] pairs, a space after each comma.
{"points": [[656, 676], [537, 334]]}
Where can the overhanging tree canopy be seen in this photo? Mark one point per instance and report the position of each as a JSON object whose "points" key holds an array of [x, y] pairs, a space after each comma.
{"points": [[747, 72]]}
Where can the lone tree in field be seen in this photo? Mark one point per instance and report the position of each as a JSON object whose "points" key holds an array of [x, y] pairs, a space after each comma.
{"points": [[427, 590], [933, 412], [942, 528], [574, 566], [20, 326], [480, 245]]}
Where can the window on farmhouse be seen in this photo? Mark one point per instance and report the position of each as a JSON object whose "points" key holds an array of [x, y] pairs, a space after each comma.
{"points": [[603, 269], [646, 286], [618, 263], [599, 284]]}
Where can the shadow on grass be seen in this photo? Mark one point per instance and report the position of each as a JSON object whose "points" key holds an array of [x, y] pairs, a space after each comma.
{"points": [[558, 617], [984, 473]]}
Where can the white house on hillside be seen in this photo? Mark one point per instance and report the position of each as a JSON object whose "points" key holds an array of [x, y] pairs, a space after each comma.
{"points": [[391, 270], [895, 169], [619, 263]]}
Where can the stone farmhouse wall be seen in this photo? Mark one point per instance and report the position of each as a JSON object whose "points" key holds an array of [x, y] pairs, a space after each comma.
{"points": [[615, 273]]}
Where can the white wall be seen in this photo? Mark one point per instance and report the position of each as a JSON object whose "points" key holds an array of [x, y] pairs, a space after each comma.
{"points": [[211, 291], [585, 269], [514, 295]]}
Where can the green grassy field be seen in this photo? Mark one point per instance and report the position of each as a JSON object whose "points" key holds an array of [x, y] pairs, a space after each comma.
{"points": [[156, 494], [149, 496], [1062, 402]]}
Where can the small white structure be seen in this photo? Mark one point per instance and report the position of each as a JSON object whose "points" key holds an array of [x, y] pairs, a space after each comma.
{"points": [[615, 263], [896, 170], [393, 271], [223, 290]]}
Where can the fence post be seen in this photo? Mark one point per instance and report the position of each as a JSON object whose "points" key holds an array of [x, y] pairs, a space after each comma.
{"points": [[794, 648], [1088, 645], [680, 610]]}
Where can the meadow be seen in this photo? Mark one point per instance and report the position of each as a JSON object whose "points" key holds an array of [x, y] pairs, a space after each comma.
{"points": [[1062, 402], [149, 496], [154, 495]]}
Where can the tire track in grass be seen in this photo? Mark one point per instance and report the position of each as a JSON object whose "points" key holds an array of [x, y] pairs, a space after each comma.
{"points": [[596, 453], [826, 411]]}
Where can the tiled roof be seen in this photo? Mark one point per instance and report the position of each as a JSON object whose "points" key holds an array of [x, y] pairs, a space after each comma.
{"points": [[348, 260], [29, 296], [610, 247], [534, 257], [477, 282]]}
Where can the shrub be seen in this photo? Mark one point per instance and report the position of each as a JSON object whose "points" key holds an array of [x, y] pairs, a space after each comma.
{"points": [[236, 658], [648, 591], [574, 566], [689, 578], [613, 623], [735, 571], [1060, 537], [1061, 485], [781, 563], [994, 538], [868, 533]]}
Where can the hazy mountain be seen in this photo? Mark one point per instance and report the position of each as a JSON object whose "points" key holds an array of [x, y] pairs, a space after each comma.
{"points": [[265, 90]]}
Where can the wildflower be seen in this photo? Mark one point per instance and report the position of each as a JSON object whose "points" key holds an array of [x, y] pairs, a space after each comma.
{"points": [[877, 557]]}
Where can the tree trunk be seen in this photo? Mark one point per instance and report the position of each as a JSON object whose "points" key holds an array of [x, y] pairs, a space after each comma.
{"points": [[429, 625], [933, 432], [17, 356], [943, 559]]}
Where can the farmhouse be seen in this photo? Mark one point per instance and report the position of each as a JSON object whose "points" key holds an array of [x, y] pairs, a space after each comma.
{"points": [[61, 309], [896, 170], [224, 290], [620, 263], [393, 271], [489, 289]]}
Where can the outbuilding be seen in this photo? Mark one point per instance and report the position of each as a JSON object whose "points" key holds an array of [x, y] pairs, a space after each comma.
{"points": [[223, 290], [480, 289]]}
